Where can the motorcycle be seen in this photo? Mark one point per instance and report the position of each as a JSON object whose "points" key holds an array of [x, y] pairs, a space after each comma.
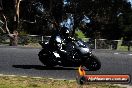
{"points": [[77, 53]]}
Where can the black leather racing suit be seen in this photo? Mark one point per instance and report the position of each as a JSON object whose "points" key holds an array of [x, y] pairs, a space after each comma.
{"points": [[56, 42]]}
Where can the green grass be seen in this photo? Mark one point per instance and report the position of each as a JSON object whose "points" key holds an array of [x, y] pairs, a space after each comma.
{"points": [[28, 82], [123, 48]]}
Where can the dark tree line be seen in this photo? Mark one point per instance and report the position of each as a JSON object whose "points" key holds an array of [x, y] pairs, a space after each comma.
{"points": [[109, 19]]}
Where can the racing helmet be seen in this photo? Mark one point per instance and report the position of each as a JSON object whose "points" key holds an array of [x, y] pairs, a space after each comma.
{"points": [[65, 32]]}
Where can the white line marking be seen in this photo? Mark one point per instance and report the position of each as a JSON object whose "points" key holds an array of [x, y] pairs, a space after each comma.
{"points": [[10, 75], [7, 75], [37, 77], [116, 53], [24, 76], [1, 74], [58, 79], [130, 54], [32, 77], [50, 78]]}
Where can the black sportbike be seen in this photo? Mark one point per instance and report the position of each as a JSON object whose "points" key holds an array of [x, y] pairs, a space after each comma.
{"points": [[77, 53]]}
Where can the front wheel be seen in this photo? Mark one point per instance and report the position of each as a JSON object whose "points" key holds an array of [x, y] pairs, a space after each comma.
{"points": [[93, 64]]}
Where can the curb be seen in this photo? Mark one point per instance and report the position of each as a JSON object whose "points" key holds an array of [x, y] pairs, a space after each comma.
{"points": [[2, 75]]}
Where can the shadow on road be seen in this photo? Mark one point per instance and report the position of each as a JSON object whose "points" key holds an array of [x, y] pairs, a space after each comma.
{"points": [[40, 67]]}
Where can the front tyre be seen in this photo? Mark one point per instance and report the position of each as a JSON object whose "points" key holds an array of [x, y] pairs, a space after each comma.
{"points": [[93, 64]]}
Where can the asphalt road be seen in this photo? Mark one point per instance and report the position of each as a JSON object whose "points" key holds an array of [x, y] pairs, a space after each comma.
{"points": [[25, 62]]}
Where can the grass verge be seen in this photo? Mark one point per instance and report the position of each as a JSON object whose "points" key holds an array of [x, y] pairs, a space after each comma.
{"points": [[29, 82], [35, 45], [124, 48]]}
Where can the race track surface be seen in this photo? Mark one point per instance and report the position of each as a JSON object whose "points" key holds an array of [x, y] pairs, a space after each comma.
{"points": [[25, 62]]}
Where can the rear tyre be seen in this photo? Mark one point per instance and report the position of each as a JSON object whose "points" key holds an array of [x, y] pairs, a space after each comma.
{"points": [[47, 60]]}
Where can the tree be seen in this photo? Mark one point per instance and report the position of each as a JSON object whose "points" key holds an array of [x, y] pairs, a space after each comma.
{"points": [[105, 13], [107, 17], [5, 15]]}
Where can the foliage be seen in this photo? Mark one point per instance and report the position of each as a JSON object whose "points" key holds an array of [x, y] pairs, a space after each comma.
{"points": [[80, 34], [110, 19], [106, 16]]}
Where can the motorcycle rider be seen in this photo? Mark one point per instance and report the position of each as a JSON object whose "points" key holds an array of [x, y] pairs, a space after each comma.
{"points": [[58, 40]]}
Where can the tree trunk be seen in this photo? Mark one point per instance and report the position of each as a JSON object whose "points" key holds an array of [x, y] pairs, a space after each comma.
{"points": [[14, 36], [17, 11], [129, 46]]}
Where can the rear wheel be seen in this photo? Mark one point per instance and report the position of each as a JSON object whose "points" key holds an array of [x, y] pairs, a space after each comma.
{"points": [[93, 64], [46, 59]]}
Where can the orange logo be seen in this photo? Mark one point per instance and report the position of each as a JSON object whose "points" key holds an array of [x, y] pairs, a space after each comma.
{"points": [[83, 78]]}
